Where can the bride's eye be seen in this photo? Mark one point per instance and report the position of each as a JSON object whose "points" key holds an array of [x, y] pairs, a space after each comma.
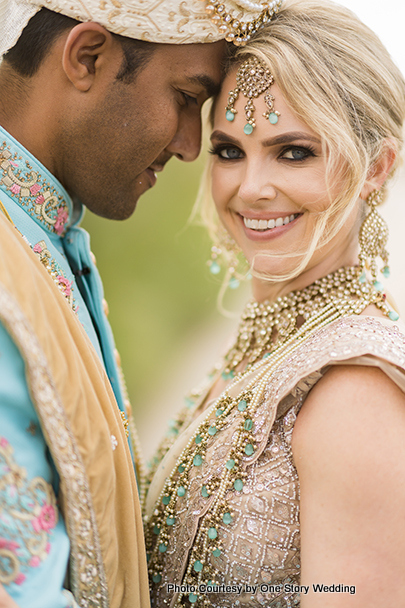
{"points": [[296, 153], [226, 152]]}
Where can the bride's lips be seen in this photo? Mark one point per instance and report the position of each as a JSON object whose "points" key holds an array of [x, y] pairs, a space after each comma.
{"points": [[268, 234]]}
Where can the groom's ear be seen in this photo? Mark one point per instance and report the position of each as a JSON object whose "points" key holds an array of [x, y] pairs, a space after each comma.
{"points": [[88, 54]]}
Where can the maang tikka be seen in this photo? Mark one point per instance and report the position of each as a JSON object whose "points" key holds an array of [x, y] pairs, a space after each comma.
{"points": [[252, 78]]}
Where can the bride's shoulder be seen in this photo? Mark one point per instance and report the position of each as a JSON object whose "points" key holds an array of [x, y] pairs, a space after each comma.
{"points": [[361, 394]]}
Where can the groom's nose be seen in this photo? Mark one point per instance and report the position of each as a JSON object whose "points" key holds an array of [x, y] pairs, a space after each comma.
{"points": [[186, 142]]}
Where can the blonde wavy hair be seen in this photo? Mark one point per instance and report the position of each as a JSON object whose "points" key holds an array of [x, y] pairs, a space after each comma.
{"points": [[339, 79]]}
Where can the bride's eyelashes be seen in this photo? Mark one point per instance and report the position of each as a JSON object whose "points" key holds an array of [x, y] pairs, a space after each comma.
{"points": [[294, 154], [225, 152], [297, 153]]}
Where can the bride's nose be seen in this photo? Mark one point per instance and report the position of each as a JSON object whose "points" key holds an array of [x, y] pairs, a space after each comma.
{"points": [[256, 184]]}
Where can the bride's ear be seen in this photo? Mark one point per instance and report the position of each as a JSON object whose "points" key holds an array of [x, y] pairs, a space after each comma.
{"points": [[380, 169]]}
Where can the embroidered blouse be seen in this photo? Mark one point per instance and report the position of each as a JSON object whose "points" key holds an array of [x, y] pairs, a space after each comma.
{"points": [[260, 548]]}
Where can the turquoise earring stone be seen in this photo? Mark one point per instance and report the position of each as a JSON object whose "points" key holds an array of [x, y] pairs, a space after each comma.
{"points": [[394, 316], [248, 129], [233, 283], [230, 116], [215, 268], [273, 118]]}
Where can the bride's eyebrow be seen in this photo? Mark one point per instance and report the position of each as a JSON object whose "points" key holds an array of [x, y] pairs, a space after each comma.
{"points": [[220, 136], [287, 138], [284, 138]]}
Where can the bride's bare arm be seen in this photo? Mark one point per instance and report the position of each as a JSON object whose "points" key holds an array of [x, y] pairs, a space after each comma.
{"points": [[349, 450]]}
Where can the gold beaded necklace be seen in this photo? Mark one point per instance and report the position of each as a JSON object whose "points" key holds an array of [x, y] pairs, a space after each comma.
{"points": [[272, 330]]}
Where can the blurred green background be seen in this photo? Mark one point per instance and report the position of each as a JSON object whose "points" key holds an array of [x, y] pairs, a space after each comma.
{"points": [[160, 295]]}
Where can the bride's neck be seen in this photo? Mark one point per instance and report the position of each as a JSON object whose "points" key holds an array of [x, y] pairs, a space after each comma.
{"points": [[266, 290]]}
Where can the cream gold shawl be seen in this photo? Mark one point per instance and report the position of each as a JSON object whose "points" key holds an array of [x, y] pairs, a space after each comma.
{"points": [[78, 414]]}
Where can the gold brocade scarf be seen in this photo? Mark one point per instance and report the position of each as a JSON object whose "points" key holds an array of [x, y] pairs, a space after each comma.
{"points": [[83, 429]]}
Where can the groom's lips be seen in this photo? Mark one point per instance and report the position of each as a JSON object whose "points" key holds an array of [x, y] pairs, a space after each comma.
{"points": [[152, 170], [151, 175]]}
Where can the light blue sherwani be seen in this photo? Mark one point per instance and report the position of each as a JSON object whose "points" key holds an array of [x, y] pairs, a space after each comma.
{"points": [[34, 546]]}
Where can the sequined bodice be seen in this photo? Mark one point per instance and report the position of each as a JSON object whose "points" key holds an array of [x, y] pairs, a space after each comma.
{"points": [[261, 546]]}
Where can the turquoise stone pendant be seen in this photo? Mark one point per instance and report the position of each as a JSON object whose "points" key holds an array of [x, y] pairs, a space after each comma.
{"points": [[238, 485], [227, 518], [249, 449], [233, 283], [215, 268], [242, 405], [197, 460], [212, 533], [248, 129], [273, 118], [230, 116]]}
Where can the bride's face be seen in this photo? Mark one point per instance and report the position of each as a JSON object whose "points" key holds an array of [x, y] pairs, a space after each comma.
{"points": [[269, 186]]}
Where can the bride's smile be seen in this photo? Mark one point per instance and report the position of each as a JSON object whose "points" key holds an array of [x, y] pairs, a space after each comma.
{"points": [[269, 188]]}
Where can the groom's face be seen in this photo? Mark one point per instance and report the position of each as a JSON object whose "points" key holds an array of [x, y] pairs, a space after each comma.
{"points": [[118, 146]]}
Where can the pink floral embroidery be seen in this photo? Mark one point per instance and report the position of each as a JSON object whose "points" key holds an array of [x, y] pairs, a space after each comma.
{"points": [[61, 220], [66, 283], [40, 200], [10, 545], [20, 578], [31, 505], [46, 520], [37, 248], [35, 189], [13, 163], [15, 189]]}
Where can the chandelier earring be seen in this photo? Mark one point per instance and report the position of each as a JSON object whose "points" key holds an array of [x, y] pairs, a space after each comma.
{"points": [[373, 238], [226, 251]]}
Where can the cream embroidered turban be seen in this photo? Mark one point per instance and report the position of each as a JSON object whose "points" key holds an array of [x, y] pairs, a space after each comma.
{"points": [[164, 21]]}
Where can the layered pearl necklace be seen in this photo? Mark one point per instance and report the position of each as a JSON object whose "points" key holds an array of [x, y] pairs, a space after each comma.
{"points": [[268, 334]]}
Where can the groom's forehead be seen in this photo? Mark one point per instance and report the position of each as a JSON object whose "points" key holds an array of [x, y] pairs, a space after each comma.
{"points": [[196, 65]]}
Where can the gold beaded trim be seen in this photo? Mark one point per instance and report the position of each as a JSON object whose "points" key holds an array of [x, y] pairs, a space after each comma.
{"points": [[237, 31]]}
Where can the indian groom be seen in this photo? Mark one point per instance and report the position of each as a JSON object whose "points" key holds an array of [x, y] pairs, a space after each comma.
{"points": [[95, 97]]}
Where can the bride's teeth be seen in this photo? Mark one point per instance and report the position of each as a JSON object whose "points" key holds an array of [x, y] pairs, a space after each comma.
{"points": [[268, 224]]}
